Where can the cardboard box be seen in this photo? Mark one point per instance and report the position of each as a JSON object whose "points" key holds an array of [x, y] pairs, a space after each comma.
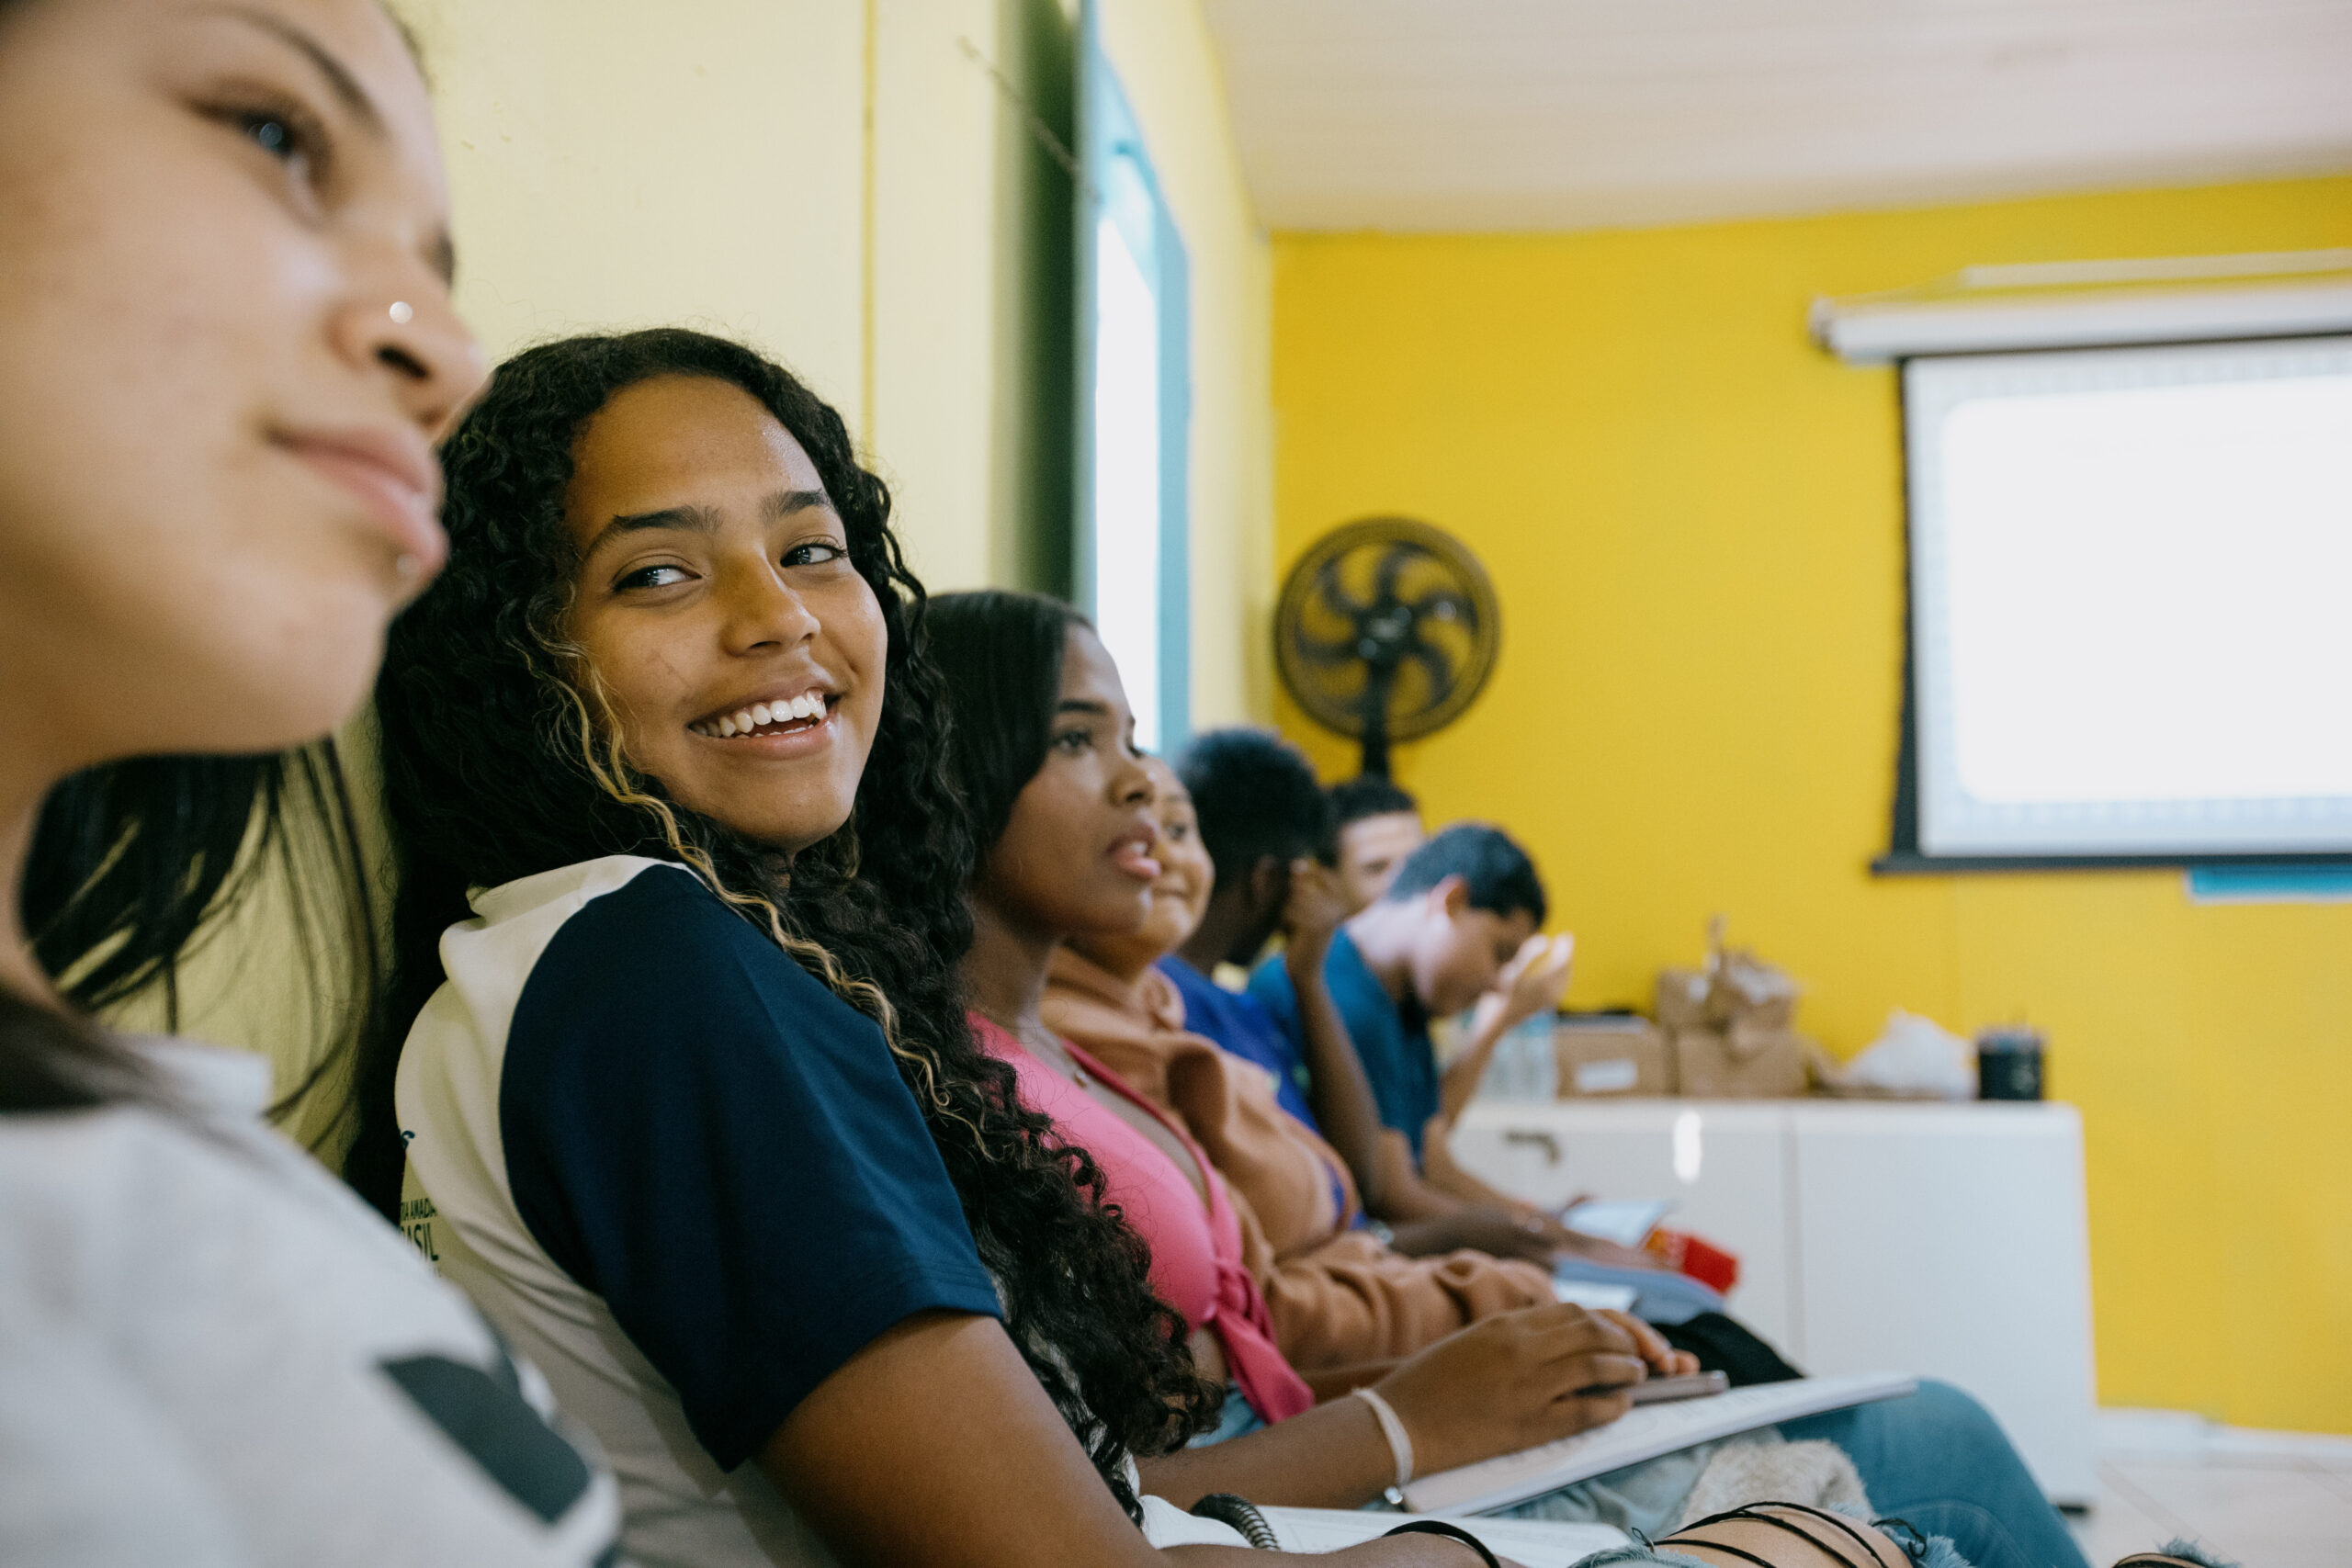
{"points": [[1614, 1056], [1745, 1061], [1682, 998], [1736, 986], [1749, 992]]}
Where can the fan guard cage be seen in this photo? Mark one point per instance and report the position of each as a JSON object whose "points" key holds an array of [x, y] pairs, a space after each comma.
{"points": [[1326, 635]]}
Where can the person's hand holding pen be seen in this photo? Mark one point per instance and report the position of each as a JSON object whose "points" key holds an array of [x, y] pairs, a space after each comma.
{"points": [[1662, 1359], [1524, 1378]]}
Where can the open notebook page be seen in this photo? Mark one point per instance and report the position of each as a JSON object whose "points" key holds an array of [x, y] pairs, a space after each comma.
{"points": [[1644, 1432]]}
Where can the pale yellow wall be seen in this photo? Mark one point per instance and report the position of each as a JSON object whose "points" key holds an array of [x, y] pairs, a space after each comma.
{"points": [[935, 119], [615, 164], [1695, 523], [706, 162]]}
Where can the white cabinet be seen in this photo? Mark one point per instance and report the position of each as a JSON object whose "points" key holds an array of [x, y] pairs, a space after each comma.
{"points": [[1944, 1240]]}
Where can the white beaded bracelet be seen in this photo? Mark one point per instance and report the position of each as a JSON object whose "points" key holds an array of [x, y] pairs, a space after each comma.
{"points": [[1400, 1442]]}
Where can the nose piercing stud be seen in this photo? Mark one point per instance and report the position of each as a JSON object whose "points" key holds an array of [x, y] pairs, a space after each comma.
{"points": [[402, 313]]}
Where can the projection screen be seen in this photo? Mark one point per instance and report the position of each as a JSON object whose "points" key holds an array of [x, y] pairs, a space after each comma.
{"points": [[2132, 601]]}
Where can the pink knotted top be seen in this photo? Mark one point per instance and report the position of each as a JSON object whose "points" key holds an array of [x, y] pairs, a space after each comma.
{"points": [[1196, 1265]]}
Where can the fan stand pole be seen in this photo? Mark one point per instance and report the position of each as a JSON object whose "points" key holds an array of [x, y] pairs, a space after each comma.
{"points": [[1380, 679]]}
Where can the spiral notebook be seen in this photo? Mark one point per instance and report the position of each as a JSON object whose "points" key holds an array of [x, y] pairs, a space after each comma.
{"points": [[1643, 1432]]}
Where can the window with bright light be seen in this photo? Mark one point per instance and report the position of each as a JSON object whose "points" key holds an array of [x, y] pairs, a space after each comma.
{"points": [[2132, 601], [1126, 588], [1133, 542]]}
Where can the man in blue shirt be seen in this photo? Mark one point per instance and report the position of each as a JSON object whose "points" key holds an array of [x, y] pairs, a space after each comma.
{"points": [[1457, 928], [1454, 920]]}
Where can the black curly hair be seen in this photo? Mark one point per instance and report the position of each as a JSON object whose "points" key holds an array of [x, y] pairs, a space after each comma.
{"points": [[1255, 795], [498, 764]]}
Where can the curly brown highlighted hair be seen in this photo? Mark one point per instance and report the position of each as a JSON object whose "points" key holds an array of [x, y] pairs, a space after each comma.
{"points": [[498, 764]]}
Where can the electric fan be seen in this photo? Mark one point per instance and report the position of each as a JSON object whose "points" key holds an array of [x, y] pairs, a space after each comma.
{"points": [[1387, 629]]}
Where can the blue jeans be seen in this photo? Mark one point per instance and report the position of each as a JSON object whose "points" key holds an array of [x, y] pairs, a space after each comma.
{"points": [[1939, 1460]]}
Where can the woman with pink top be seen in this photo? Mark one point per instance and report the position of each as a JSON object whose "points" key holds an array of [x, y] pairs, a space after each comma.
{"points": [[1064, 803]]}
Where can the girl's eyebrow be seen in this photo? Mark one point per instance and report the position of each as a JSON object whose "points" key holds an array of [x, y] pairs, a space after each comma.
{"points": [[1082, 704], [440, 252], [693, 519], [784, 504], [339, 77], [703, 519]]}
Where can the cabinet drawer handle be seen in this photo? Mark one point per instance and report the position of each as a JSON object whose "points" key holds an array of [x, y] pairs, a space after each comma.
{"points": [[1549, 1143]]}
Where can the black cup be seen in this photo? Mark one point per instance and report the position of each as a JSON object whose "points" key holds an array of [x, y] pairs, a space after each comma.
{"points": [[2009, 1064]]}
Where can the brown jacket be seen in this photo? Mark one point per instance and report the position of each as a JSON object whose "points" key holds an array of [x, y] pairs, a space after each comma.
{"points": [[1339, 1296]]}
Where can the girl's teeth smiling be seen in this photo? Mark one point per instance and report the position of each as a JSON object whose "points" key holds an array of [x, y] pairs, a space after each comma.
{"points": [[772, 716]]}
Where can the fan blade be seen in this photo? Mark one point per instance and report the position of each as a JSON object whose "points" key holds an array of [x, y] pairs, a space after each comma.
{"points": [[1465, 612], [1325, 648], [1320, 652], [1391, 567], [1414, 642], [1334, 593], [1441, 672]]}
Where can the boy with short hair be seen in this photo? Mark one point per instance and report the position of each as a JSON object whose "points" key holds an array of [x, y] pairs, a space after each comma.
{"points": [[1457, 923]]}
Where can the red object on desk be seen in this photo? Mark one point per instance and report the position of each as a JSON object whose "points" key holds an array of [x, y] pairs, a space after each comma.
{"points": [[1695, 1256]]}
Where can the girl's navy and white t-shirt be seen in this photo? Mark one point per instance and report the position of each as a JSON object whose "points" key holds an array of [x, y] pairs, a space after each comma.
{"points": [[682, 1175]]}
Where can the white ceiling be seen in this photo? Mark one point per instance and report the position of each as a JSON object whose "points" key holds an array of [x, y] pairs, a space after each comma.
{"points": [[1565, 114]]}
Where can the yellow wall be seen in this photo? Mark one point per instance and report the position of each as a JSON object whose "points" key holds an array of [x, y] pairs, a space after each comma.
{"points": [[1695, 522]]}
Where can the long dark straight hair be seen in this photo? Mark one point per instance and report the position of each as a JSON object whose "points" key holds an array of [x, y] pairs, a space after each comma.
{"points": [[1002, 653], [134, 863], [502, 759]]}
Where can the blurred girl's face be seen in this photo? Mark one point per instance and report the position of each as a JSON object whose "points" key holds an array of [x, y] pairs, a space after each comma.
{"points": [[1079, 854], [718, 605], [1179, 894], [226, 344], [1181, 897]]}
